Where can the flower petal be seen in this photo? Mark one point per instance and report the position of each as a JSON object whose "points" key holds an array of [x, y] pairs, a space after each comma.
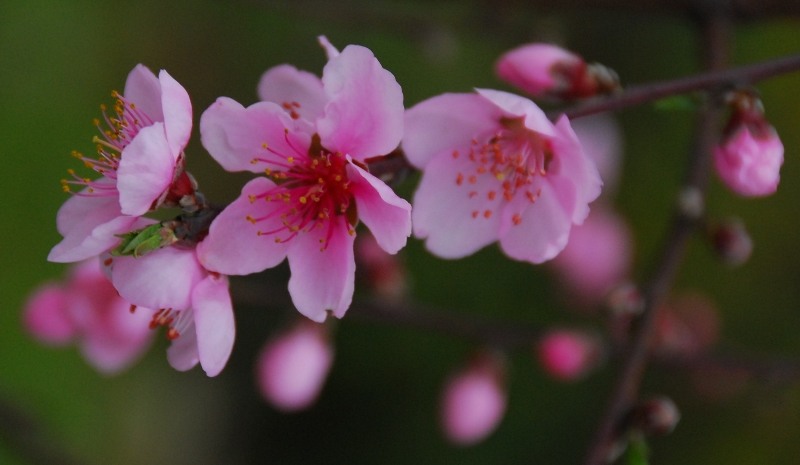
{"points": [[515, 106], [322, 280], [182, 354], [145, 171], [445, 123], [213, 319], [161, 279], [572, 163], [364, 116], [144, 90], [386, 215], [233, 245], [286, 84], [330, 51], [177, 108], [45, 316], [235, 135], [453, 221]]}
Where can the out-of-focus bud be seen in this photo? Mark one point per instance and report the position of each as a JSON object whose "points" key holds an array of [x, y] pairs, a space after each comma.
{"points": [[596, 258], [686, 326], [656, 416], [731, 241], [549, 71], [87, 310], [568, 355], [384, 273], [749, 158], [293, 366], [474, 400]]}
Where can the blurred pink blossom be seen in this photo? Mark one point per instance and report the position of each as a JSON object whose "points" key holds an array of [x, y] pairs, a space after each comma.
{"points": [[293, 366], [312, 138], [749, 162], [601, 139], [474, 401], [87, 310], [568, 355], [494, 168], [139, 155], [384, 273]]}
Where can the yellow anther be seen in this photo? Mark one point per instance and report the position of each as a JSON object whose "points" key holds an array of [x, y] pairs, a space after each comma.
{"points": [[303, 199]]}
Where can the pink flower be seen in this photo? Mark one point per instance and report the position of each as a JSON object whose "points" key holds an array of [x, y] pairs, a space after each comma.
{"points": [[546, 70], [86, 309], [140, 155], [293, 367], [597, 257], [568, 355], [311, 139], [193, 303], [749, 162], [496, 169], [473, 402]]}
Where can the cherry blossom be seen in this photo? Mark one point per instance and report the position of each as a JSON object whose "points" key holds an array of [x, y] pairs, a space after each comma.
{"points": [[139, 159], [496, 169], [311, 139]]}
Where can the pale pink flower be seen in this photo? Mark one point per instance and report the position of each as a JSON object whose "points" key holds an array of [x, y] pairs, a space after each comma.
{"points": [[140, 155], [568, 355], [86, 310], [312, 138], [749, 162], [473, 401], [546, 70], [193, 303], [496, 169], [293, 366], [597, 257]]}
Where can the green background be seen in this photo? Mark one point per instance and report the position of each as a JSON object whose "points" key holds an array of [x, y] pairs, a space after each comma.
{"points": [[60, 60]]}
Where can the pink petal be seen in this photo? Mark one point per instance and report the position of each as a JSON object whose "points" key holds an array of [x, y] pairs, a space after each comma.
{"points": [[286, 84], [233, 245], [45, 316], [144, 90], [89, 225], [182, 354], [177, 108], [161, 279], [446, 123], [330, 51], [213, 318], [322, 280], [601, 138], [364, 117], [443, 210], [544, 229], [145, 172], [516, 106], [120, 338], [386, 215], [571, 162], [235, 135]]}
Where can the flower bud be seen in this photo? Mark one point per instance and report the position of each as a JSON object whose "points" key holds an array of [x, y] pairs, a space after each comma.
{"points": [[474, 401], [749, 158], [293, 366], [686, 326], [384, 273], [731, 241], [545, 70], [568, 355], [657, 416]]}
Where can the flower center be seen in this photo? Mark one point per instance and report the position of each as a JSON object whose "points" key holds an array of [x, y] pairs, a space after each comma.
{"points": [[312, 189], [504, 167], [176, 321], [117, 130]]}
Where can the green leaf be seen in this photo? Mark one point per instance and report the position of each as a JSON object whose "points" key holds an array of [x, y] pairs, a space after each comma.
{"points": [[141, 241], [637, 453], [677, 103]]}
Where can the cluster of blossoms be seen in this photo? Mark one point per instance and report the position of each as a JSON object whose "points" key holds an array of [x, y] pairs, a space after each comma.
{"points": [[493, 168]]}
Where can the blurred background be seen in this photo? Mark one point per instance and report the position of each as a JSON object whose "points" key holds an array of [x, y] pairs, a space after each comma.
{"points": [[60, 60]]}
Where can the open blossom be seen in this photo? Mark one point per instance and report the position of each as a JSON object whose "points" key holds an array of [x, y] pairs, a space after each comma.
{"points": [[87, 310], [496, 169], [310, 139], [139, 159], [293, 366], [191, 302], [749, 162]]}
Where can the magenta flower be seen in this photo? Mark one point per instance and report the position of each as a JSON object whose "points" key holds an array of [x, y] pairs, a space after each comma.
{"points": [[87, 310], [749, 162], [293, 366], [568, 355], [193, 303], [140, 155], [311, 139], [496, 169]]}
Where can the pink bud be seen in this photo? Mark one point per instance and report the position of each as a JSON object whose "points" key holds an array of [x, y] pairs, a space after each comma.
{"points": [[545, 70], [568, 355], [749, 162], [731, 241], [293, 366], [473, 401]]}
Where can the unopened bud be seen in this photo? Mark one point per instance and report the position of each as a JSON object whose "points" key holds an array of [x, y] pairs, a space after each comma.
{"points": [[657, 416], [625, 300], [568, 355], [384, 273], [731, 241]]}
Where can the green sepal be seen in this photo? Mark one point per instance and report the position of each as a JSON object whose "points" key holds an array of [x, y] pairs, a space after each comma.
{"points": [[637, 453], [141, 241], [677, 103]]}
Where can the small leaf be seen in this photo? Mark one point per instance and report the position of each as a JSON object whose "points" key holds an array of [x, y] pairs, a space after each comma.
{"points": [[142, 241], [677, 103], [637, 453]]}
